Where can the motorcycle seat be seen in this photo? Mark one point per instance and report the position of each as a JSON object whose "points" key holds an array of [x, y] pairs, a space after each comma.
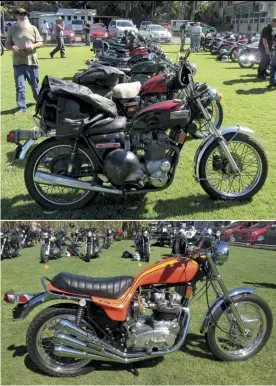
{"points": [[126, 90], [108, 126], [106, 287]]}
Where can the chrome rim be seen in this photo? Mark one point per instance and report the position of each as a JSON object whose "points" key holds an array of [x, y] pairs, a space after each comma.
{"points": [[56, 157], [220, 176], [45, 344], [230, 340]]}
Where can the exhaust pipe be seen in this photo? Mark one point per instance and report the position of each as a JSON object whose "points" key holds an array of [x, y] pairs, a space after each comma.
{"points": [[90, 346], [68, 182]]}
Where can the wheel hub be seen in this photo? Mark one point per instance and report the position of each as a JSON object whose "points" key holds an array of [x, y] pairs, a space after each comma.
{"points": [[222, 166]]}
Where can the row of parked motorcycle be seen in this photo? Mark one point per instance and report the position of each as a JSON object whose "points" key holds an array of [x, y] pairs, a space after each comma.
{"points": [[126, 138], [238, 48], [57, 242]]}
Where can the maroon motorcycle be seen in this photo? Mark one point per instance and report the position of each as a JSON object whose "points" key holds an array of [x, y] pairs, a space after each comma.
{"points": [[91, 149]]}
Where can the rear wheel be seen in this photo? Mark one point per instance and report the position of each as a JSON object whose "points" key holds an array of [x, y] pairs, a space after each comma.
{"points": [[40, 344], [52, 157], [224, 338], [216, 175]]}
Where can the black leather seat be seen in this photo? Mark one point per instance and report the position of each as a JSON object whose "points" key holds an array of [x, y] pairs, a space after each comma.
{"points": [[108, 125], [106, 287]]}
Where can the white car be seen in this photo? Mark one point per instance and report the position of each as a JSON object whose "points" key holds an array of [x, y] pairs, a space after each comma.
{"points": [[117, 27], [156, 32]]}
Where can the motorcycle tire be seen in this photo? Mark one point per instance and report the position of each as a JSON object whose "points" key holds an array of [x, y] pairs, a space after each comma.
{"points": [[206, 48], [147, 252], [211, 338], [31, 342], [213, 49], [233, 56], [33, 189], [43, 257], [176, 247], [223, 47], [243, 138], [2, 49], [244, 65]]}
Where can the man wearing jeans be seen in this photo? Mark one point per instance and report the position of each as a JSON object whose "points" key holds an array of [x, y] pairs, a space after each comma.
{"points": [[23, 39], [59, 28], [272, 82], [87, 28], [265, 47]]}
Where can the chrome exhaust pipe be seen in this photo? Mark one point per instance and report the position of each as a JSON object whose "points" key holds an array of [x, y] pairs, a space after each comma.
{"points": [[68, 182], [95, 348]]}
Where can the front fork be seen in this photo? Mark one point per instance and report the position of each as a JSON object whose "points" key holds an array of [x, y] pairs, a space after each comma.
{"points": [[222, 142], [230, 302]]}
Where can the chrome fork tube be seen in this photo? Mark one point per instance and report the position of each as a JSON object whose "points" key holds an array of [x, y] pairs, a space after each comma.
{"points": [[222, 143], [227, 297]]}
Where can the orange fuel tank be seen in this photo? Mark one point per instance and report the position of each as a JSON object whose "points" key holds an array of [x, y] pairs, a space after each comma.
{"points": [[166, 271]]}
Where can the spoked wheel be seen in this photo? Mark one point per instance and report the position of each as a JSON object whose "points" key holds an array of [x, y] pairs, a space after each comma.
{"points": [[224, 337], [40, 344], [234, 54], [52, 157], [216, 175]]}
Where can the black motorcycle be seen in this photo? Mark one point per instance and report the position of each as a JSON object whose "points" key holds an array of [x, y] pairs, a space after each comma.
{"points": [[52, 245], [92, 245], [74, 248], [107, 238], [142, 244], [27, 237], [10, 246]]}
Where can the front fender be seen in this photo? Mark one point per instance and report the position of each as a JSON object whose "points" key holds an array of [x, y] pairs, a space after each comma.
{"points": [[210, 139], [219, 302]]}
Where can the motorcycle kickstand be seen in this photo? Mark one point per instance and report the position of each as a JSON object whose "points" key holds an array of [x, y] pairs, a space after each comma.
{"points": [[135, 371]]}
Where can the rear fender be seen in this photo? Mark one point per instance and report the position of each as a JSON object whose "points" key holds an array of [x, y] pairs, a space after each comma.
{"points": [[219, 302], [210, 139]]}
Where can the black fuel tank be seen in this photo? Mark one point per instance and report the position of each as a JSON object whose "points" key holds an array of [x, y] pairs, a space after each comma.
{"points": [[162, 116], [144, 68]]}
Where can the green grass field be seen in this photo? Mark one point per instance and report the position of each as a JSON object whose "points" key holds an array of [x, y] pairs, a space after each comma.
{"points": [[245, 102], [193, 364]]}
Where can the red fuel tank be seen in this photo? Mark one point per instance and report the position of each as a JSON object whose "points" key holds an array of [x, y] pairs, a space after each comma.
{"points": [[155, 85]]}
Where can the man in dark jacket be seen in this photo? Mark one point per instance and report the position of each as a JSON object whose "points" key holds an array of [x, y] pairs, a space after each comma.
{"points": [[265, 47]]}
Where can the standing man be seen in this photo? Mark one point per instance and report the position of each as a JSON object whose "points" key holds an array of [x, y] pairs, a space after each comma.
{"points": [[272, 83], [182, 33], [23, 39], [44, 30], [87, 27], [59, 28], [265, 47], [197, 31]]}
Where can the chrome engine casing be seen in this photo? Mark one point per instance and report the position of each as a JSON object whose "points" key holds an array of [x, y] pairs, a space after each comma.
{"points": [[148, 334], [154, 172]]}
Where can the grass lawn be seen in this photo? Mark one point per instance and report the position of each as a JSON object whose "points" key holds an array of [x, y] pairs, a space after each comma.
{"points": [[246, 102], [193, 364]]}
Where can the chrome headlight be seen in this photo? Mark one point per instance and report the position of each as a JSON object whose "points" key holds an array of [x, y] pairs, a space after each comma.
{"points": [[165, 230], [89, 234], [218, 234], [213, 94], [53, 239], [146, 233], [45, 234], [221, 253]]}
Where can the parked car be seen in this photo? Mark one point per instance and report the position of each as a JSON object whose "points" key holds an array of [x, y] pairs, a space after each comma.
{"points": [[254, 234], [228, 231], [117, 27], [167, 26], [69, 35], [176, 24], [144, 23], [77, 25], [157, 33], [270, 235], [205, 28], [98, 30]]}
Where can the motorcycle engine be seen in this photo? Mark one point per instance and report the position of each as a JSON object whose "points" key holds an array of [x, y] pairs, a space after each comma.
{"points": [[149, 100], [155, 165], [159, 330]]}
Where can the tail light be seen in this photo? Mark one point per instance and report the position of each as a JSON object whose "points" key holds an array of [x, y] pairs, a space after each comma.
{"points": [[23, 299], [11, 137], [88, 62], [9, 297]]}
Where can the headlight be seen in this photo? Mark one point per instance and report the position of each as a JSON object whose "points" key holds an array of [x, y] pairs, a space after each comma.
{"points": [[218, 233], [89, 234], [45, 234], [221, 253], [165, 230], [145, 233], [53, 239], [213, 94]]}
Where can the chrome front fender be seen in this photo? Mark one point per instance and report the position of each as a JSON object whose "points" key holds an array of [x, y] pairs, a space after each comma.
{"points": [[219, 302], [210, 139]]}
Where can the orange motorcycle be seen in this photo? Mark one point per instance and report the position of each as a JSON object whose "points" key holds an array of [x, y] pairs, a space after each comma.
{"points": [[129, 319]]}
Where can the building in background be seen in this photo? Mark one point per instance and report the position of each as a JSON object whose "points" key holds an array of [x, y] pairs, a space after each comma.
{"points": [[247, 16]]}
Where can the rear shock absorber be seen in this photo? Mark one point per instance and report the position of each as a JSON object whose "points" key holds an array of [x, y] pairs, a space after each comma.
{"points": [[80, 312]]}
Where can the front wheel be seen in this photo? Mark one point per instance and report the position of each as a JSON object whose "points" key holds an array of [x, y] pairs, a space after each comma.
{"points": [[52, 157], [216, 175], [234, 54], [44, 258], [222, 48], [40, 344], [244, 61], [2, 49], [224, 338], [147, 251]]}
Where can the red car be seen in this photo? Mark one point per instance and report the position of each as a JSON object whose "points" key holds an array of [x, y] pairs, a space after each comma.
{"points": [[255, 234], [69, 35], [98, 30], [228, 231]]}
